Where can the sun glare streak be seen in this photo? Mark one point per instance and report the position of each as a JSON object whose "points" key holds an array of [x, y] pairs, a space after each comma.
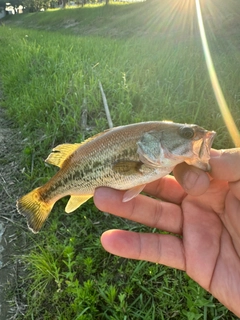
{"points": [[226, 114]]}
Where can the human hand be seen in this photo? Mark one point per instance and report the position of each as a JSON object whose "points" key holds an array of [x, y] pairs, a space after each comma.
{"points": [[203, 208]]}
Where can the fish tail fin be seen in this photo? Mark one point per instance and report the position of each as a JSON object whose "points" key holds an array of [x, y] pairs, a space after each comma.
{"points": [[34, 209]]}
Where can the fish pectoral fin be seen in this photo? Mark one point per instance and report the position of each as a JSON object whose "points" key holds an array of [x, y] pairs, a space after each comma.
{"points": [[132, 193], [60, 153], [76, 201], [126, 167]]}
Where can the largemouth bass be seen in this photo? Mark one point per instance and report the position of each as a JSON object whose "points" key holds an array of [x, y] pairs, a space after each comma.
{"points": [[124, 158]]}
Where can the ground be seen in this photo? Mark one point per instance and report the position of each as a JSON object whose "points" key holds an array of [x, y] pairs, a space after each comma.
{"points": [[11, 238]]}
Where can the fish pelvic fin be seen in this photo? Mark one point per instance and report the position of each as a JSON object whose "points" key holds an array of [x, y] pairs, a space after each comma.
{"points": [[133, 192], [76, 201], [34, 209]]}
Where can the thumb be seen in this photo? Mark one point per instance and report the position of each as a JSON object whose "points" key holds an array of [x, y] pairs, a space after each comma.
{"points": [[225, 164], [193, 180]]}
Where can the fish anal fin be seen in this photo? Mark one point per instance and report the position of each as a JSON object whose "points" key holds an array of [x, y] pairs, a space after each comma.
{"points": [[127, 167], [132, 193], [76, 201], [60, 153]]}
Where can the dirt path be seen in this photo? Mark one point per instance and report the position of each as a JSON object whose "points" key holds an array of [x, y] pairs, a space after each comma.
{"points": [[11, 235]]}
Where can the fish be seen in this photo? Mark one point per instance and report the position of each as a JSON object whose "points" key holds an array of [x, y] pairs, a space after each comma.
{"points": [[124, 158]]}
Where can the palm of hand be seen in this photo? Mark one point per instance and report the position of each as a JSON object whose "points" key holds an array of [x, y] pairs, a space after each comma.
{"points": [[211, 242], [206, 217]]}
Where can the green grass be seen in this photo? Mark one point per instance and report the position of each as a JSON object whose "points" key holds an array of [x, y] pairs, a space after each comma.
{"points": [[150, 62]]}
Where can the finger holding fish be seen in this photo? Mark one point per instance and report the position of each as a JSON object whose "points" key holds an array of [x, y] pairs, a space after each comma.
{"points": [[142, 209], [194, 181]]}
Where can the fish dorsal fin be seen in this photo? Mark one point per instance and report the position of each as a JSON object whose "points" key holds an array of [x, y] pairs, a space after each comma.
{"points": [[76, 201], [60, 153], [95, 136], [127, 167]]}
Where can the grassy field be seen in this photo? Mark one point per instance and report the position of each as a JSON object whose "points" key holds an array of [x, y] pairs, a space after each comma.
{"points": [[150, 62]]}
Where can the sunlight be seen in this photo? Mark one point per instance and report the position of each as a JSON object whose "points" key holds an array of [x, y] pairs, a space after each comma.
{"points": [[226, 114], [171, 16]]}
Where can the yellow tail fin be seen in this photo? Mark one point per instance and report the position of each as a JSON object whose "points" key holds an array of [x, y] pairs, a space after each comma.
{"points": [[34, 209]]}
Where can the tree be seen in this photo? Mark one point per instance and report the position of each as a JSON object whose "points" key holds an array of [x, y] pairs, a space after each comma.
{"points": [[36, 5]]}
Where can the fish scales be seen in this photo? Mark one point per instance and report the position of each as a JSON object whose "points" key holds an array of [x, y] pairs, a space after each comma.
{"points": [[92, 168], [124, 158]]}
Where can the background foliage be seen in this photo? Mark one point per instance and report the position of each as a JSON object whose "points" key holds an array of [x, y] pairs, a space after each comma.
{"points": [[149, 59]]}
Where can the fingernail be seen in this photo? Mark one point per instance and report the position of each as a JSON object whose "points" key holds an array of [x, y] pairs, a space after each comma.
{"points": [[101, 192], [216, 153], [190, 179]]}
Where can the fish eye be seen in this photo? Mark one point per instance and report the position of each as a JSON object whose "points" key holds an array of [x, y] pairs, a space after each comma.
{"points": [[186, 132]]}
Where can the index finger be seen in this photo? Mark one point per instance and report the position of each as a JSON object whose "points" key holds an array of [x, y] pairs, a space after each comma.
{"points": [[167, 189], [145, 210]]}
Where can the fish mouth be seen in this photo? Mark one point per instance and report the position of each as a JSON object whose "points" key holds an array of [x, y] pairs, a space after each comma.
{"points": [[204, 152], [207, 144], [210, 136], [201, 151]]}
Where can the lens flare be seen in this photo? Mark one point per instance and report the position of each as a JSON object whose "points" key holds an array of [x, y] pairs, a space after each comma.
{"points": [[226, 114]]}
